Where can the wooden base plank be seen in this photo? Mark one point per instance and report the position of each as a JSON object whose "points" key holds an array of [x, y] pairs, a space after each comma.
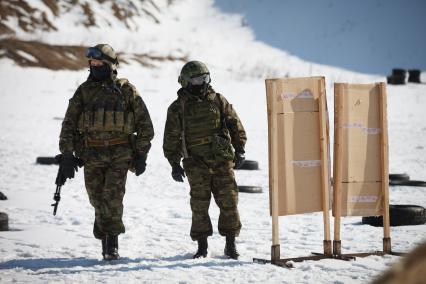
{"points": [[286, 262], [365, 254], [336, 256], [277, 263]]}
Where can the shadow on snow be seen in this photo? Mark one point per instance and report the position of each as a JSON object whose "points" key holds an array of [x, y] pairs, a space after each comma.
{"points": [[78, 265]]}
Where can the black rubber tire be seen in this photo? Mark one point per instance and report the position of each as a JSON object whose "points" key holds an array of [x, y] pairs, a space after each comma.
{"points": [[2, 196], [400, 215], [376, 221], [249, 165], [399, 177], [414, 76], [46, 161], [250, 189], [4, 222], [417, 183]]}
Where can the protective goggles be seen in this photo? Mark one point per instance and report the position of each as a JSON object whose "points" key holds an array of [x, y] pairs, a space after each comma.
{"points": [[94, 53], [200, 80]]}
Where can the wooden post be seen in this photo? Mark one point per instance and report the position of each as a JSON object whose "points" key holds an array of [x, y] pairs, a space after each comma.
{"points": [[273, 177], [385, 167], [338, 161], [325, 182]]}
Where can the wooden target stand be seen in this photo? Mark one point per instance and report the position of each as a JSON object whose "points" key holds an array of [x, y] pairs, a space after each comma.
{"points": [[347, 99], [382, 204], [295, 96]]}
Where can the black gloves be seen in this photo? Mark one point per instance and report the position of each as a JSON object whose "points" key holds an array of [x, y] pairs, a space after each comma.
{"points": [[68, 165], [177, 173], [140, 164], [239, 160]]}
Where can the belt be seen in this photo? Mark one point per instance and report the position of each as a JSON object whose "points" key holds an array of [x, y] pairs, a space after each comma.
{"points": [[106, 143], [200, 141]]}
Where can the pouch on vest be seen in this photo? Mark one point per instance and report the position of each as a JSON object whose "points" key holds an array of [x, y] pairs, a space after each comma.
{"points": [[222, 149], [100, 119]]}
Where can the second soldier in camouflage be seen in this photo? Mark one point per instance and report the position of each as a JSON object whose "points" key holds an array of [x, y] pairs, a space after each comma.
{"points": [[204, 130]]}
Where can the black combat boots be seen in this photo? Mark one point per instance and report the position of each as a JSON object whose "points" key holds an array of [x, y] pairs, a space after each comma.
{"points": [[202, 248], [111, 246], [230, 248]]}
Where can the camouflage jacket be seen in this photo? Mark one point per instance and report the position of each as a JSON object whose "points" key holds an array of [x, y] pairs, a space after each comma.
{"points": [[106, 110], [204, 116]]}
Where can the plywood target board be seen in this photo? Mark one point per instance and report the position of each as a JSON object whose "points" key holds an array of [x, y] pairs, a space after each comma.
{"points": [[360, 157], [298, 145]]}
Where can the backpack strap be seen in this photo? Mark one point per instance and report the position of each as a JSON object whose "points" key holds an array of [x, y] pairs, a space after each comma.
{"points": [[183, 128], [219, 104]]}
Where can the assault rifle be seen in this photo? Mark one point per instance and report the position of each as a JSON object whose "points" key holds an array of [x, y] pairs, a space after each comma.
{"points": [[60, 181]]}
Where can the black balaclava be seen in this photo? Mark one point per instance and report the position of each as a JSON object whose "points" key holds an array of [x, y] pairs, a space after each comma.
{"points": [[199, 90], [100, 73]]}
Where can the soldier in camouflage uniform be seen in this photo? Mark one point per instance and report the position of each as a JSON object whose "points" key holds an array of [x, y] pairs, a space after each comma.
{"points": [[108, 126], [204, 130]]}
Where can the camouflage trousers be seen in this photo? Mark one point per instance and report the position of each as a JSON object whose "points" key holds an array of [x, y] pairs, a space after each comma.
{"points": [[105, 173], [209, 178]]}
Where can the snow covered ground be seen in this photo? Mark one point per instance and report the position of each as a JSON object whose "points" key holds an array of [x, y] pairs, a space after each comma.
{"points": [[156, 247]]}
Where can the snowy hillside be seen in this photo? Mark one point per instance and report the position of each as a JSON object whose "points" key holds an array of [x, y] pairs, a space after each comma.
{"points": [[157, 248], [147, 32]]}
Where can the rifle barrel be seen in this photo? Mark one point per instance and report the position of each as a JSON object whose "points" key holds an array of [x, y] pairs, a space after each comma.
{"points": [[57, 198], [55, 207]]}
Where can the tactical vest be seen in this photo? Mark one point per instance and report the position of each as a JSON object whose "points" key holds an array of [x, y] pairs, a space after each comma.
{"points": [[106, 108], [204, 134], [202, 119]]}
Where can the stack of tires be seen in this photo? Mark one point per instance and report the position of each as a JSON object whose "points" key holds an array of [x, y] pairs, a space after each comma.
{"points": [[249, 165], [414, 76], [399, 76], [4, 219]]}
